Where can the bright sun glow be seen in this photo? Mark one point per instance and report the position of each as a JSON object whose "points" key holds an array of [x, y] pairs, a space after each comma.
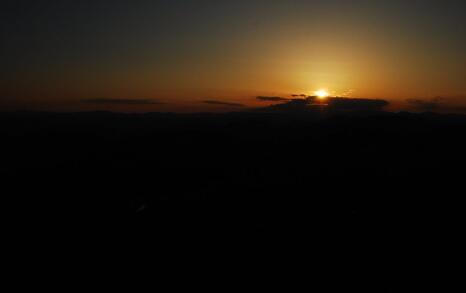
{"points": [[321, 94]]}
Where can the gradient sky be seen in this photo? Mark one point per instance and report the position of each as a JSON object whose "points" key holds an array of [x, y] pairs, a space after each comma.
{"points": [[55, 54]]}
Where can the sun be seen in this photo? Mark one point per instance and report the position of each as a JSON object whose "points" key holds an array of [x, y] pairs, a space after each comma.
{"points": [[321, 94]]}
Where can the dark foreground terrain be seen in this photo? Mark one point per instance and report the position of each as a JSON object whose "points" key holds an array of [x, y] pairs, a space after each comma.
{"points": [[367, 201]]}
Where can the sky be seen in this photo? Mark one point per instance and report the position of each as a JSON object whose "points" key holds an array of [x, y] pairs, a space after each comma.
{"points": [[173, 55]]}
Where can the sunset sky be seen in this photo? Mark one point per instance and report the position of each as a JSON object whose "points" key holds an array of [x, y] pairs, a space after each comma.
{"points": [[171, 55]]}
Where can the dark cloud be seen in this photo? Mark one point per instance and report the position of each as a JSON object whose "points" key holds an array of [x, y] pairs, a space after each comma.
{"points": [[332, 104], [294, 105], [299, 96], [105, 101], [357, 104], [214, 102], [272, 99], [426, 105], [438, 104]]}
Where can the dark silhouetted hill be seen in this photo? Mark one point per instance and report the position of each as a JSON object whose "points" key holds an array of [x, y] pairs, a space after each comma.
{"points": [[369, 189]]}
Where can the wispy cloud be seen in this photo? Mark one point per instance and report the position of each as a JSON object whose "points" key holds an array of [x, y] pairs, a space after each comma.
{"points": [[221, 103], [109, 101]]}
